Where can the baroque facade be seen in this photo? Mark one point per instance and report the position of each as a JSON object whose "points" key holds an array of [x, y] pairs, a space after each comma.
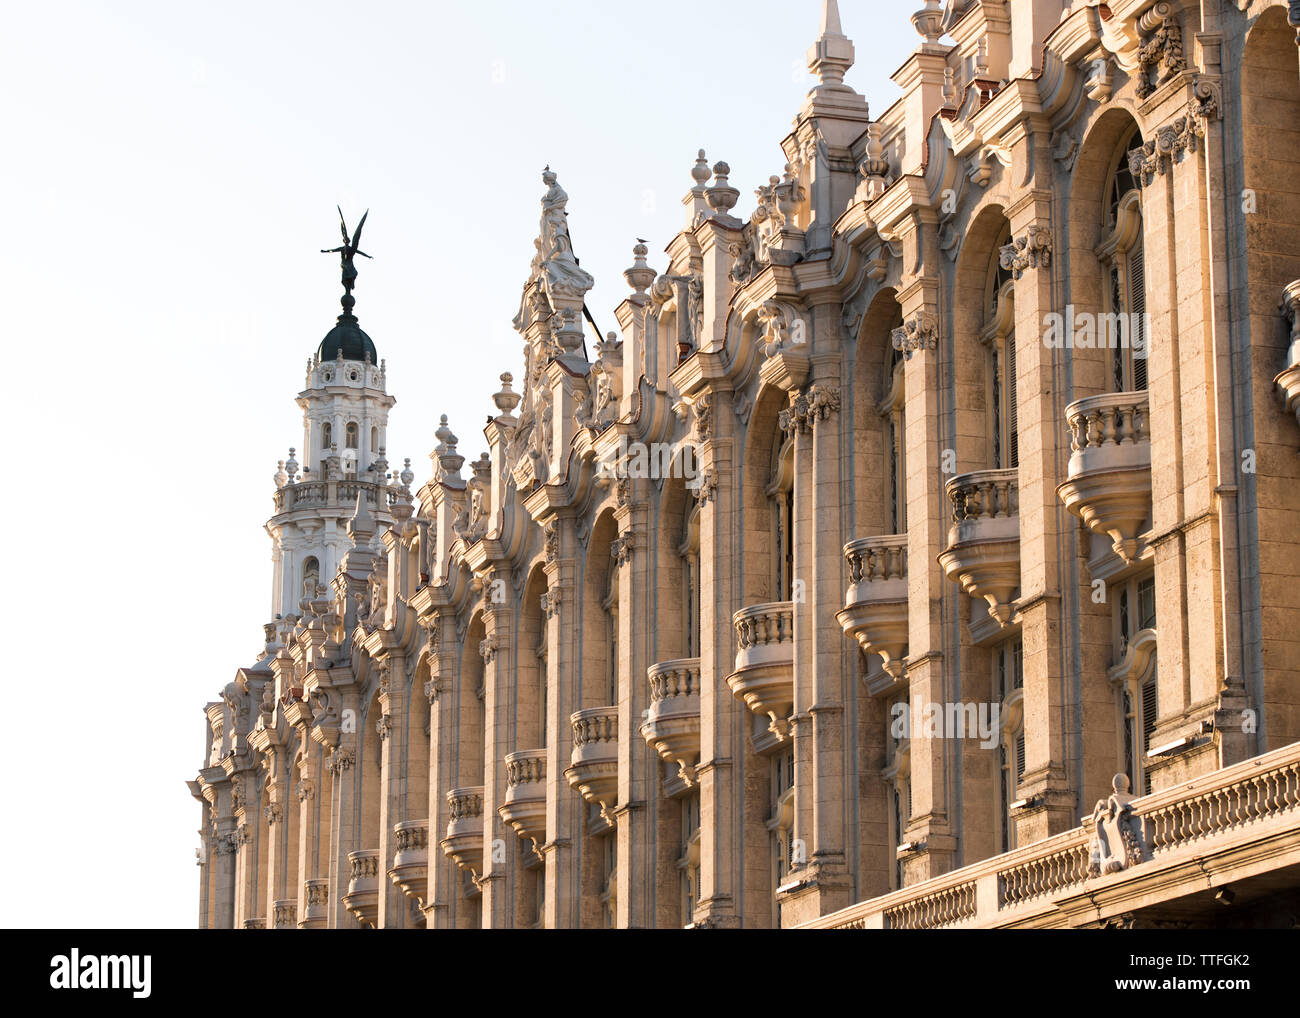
{"points": [[949, 491]]}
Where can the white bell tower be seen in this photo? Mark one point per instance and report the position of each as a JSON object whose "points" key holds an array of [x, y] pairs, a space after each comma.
{"points": [[345, 421]]}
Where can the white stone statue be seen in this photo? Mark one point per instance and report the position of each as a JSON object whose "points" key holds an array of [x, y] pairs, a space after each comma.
{"points": [[1119, 837]]}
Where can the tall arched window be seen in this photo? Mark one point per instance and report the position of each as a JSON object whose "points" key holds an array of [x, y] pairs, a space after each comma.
{"points": [[780, 821], [999, 338], [1134, 673], [898, 779], [1009, 682], [351, 432], [780, 492], [1124, 327], [610, 605], [326, 436], [892, 409], [310, 577], [689, 550]]}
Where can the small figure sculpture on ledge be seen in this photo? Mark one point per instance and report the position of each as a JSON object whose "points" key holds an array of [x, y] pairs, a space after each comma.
{"points": [[1119, 837]]}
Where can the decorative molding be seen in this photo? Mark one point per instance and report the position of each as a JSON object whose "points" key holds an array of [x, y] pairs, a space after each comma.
{"points": [[807, 408], [488, 648], [621, 548], [305, 790], [1178, 138], [1162, 50], [340, 761], [550, 602], [920, 332], [384, 726], [1032, 251]]}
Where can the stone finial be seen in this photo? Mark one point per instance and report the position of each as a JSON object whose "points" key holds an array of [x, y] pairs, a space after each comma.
{"points": [[361, 528], [832, 54], [507, 399], [928, 21], [291, 464], [640, 275], [722, 197], [281, 478], [700, 171], [407, 475], [448, 458]]}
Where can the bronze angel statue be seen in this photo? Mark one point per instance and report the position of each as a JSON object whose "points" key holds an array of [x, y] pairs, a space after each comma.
{"points": [[350, 249]]}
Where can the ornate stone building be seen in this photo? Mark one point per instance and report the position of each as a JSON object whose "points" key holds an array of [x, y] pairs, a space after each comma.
{"points": [[945, 490]]}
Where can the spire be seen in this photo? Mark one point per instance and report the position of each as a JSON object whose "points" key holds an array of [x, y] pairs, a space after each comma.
{"points": [[831, 18], [361, 528], [832, 54]]}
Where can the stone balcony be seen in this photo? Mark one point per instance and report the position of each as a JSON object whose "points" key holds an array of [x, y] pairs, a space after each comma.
{"points": [[525, 806], [593, 766], [1236, 829], [875, 606], [983, 552], [362, 897], [316, 915], [464, 841], [410, 869], [672, 724], [1108, 483], [257, 923], [333, 494], [284, 914], [764, 673]]}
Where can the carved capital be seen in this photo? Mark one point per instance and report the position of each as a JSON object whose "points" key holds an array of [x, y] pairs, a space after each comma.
{"points": [[1031, 251], [920, 332]]}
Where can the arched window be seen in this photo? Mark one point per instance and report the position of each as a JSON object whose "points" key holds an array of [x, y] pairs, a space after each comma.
{"points": [[374, 440], [326, 436], [780, 492], [1134, 674], [1124, 326], [688, 863], [999, 338], [892, 409], [898, 780], [610, 605], [310, 577], [780, 821], [351, 433], [1009, 681], [689, 550]]}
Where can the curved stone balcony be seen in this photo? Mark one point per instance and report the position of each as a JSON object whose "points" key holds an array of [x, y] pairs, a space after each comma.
{"points": [[464, 841], [285, 914], [316, 915], [875, 606], [341, 493], [525, 806], [1109, 477], [672, 724], [410, 869], [984, 540], [593, 767], [362, 897], [764, 674]]}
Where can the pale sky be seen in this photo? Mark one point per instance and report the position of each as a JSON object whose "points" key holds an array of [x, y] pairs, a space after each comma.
{"points": [[171, 173]]}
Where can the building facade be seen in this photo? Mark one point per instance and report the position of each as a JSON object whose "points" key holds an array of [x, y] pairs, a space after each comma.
{"points": [[946, 492]]}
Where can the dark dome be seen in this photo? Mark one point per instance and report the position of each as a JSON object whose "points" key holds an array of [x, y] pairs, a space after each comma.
{"points": [[347, 337]]}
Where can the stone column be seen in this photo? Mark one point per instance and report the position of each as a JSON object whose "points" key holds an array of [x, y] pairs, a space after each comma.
{"points": [[722, 716], [1051, 698], [564, 813], [498, 880], [638, 763], [931, 825], [394, 735]]}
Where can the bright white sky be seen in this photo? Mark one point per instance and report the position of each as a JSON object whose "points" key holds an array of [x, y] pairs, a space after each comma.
{"points": [[171, 173]]}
